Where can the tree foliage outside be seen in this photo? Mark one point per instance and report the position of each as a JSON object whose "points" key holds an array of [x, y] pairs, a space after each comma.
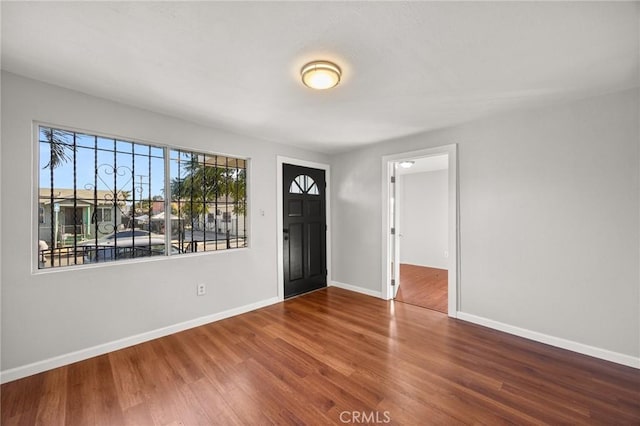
{"points": [[203, 184], [61, 150]]}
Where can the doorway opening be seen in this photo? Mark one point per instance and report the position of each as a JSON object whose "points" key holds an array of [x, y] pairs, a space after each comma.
{"points": [[420, 228]]}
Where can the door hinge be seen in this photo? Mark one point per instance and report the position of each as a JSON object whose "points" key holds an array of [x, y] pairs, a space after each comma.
{"points": [[393, 179], [393, 231], [393, 282]]}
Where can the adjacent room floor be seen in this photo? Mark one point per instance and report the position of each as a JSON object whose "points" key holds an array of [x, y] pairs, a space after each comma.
{"points": [[423, 286], [320, 358]]}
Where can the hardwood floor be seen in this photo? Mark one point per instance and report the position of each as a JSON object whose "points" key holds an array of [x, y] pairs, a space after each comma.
{"points": [[424, 286], [324, 358]]}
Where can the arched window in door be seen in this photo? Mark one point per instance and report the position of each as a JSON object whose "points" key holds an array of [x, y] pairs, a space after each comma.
{"points": [[304, 184]]}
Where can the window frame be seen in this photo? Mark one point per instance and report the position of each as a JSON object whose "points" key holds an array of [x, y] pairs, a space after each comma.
{"points": [[166, 148]]}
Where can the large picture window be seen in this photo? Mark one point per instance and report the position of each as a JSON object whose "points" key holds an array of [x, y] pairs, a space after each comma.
{"points": [[104, 199]]}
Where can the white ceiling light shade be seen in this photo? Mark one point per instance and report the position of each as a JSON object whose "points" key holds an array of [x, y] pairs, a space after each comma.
{"points": [[321, 75], [407, 164]]}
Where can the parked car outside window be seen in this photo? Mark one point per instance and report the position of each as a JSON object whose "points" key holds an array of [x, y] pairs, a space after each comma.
{"points": [[125, 248]]}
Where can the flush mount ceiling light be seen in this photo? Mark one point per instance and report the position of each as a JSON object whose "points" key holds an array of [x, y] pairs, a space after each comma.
{"points": [[321, 75], [407, 164]]}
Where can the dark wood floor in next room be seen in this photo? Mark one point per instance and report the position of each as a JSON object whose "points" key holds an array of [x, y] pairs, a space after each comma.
{"points": [[319, 358], [424, 286]]}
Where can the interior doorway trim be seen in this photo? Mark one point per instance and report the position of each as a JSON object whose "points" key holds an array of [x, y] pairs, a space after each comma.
{"points": [[453, 219], [280, 160]]}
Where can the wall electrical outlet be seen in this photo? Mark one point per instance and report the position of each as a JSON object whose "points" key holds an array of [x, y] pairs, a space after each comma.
{"points": [[202, 289]]}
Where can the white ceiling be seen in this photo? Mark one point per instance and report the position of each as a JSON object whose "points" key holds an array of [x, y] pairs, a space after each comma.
{"points": [[426, 164], [408, 66]]}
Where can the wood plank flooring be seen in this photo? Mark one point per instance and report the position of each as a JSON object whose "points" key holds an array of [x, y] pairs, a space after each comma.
{"points": [[424, 286], [330, 357]]}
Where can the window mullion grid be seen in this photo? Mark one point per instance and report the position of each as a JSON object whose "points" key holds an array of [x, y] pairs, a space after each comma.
{"points": [[51, 201], [166, 152], [204, 202], [194, 244], [115, 199], [226, 200], [75, 202], [181, 222], [215, 199], [181, 225], [133, 198], [150, 202]]}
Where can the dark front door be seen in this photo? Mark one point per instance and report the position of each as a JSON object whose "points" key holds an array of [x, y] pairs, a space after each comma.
{"points": [[304, 229]]}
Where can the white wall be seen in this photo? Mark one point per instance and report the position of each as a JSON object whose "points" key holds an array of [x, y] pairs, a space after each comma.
{"points": [[53, 313], [423, 227], [549, 208]]}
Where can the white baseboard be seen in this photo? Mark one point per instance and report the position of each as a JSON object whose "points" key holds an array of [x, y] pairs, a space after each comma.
{"points": [[581, 348], [61, 360], [357, 289]]}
